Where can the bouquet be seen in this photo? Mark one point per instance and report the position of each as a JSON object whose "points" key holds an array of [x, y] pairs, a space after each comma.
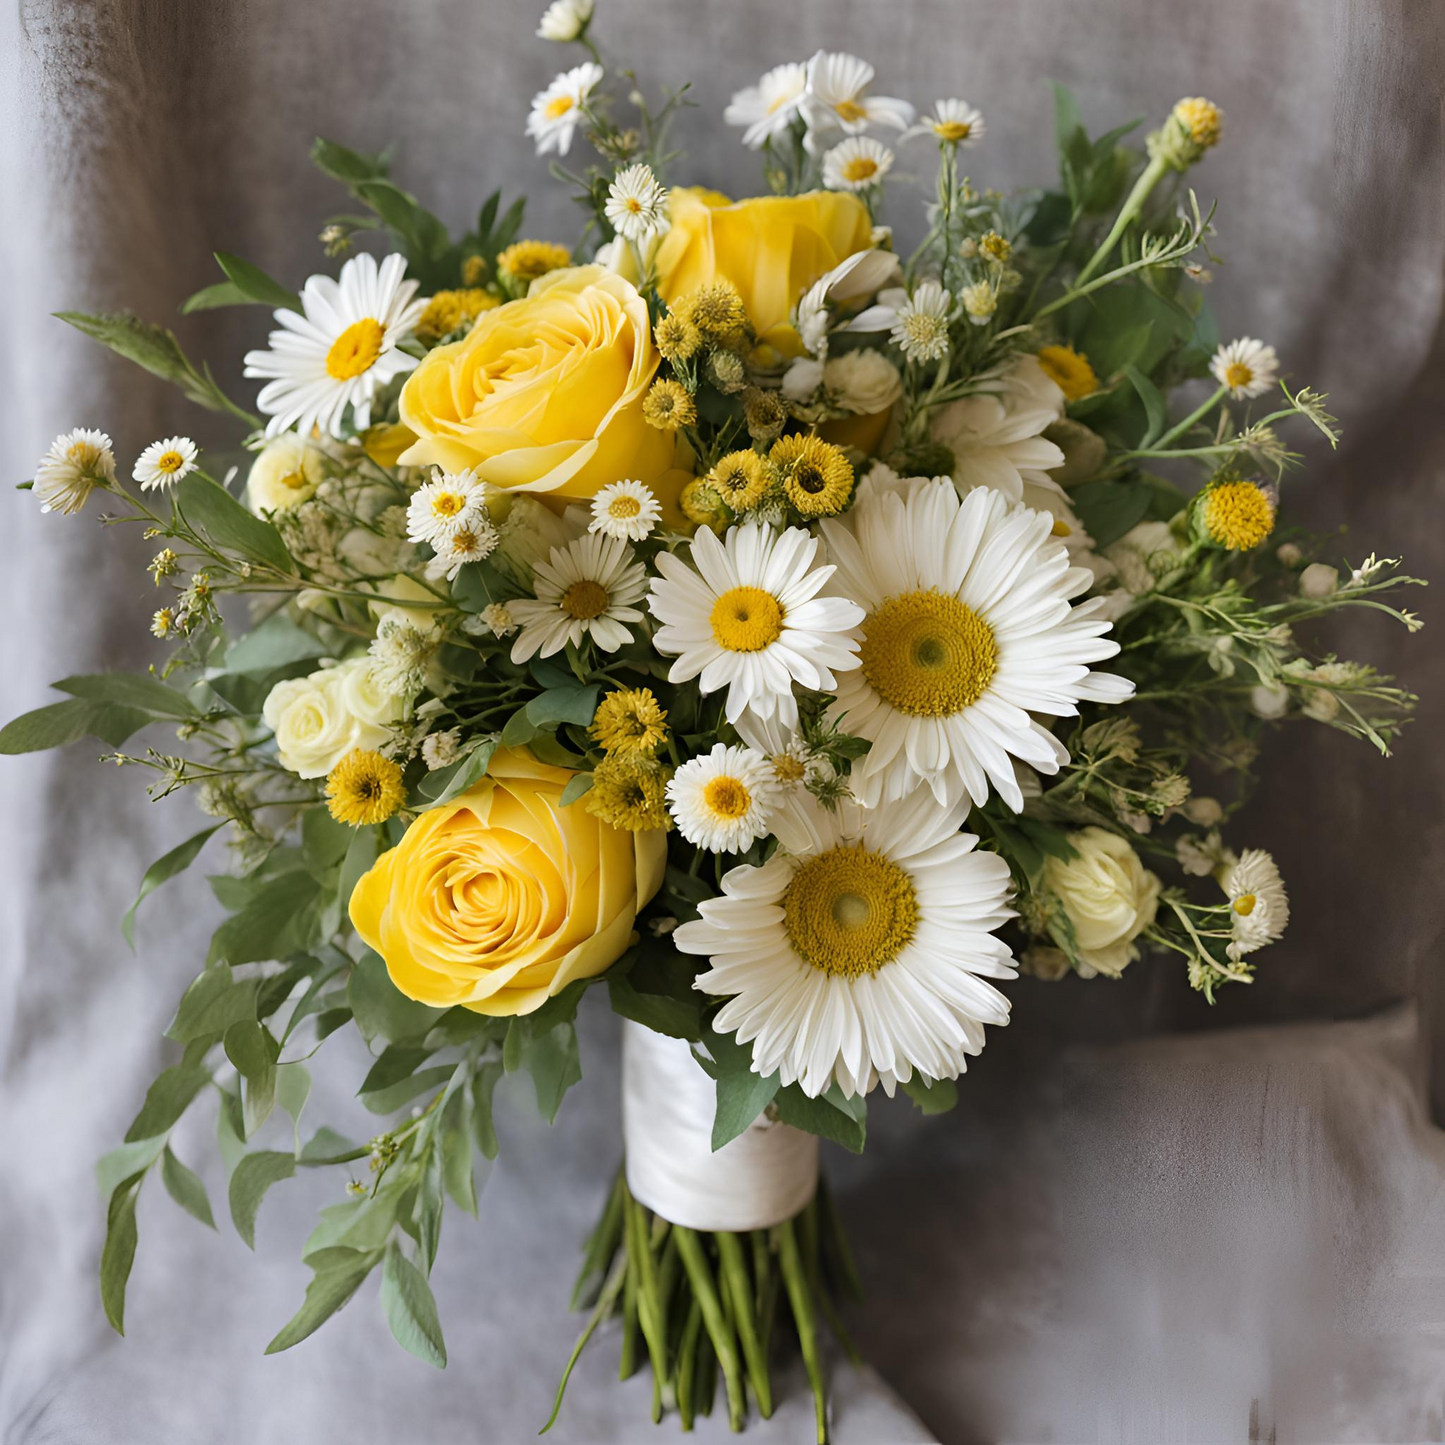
{"points": [[795, 632]]}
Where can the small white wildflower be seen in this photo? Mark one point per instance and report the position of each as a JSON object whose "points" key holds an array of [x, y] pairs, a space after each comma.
{"points": [[451, 502], [980, 301], [1199, 857], [557, 110], [163, 464], [400, 655], [499, 618], [636, 203], [920, 329], [722, 800], [77, 461], [439, 750], [625, 509], [565, 20], [954, 122], [856, 164], [470, 543], [1258, 904], [1246, 368]]}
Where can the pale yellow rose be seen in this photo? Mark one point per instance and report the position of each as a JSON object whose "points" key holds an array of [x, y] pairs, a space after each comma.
{"points": [[1109, 896], [545, 393], [286, 473], [772, 248], [501, 898], [318, 719]]}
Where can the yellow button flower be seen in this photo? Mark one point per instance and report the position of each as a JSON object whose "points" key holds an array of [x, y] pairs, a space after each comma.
{"points": [[545, 393], [501, 898], [772, 248]]}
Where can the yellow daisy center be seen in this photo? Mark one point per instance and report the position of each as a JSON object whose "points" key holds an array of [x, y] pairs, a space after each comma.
{"points": [[1244, 904], [296, 480], [746, 619], [727, 798], [849, 911], [83, 454], [169, 462], [850, 110], [558, 106], [787, 768], [860, 168], [584, 600], [356, 349], [1238, 515], [624, 507], [631, 203], [1069, 371], [927, 654], [952, 130], [1060, 528], [448, 504], [1237, 374]]}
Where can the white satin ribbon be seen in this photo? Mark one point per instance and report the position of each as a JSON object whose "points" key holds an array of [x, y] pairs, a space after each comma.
{"points": [[764, 1176]]}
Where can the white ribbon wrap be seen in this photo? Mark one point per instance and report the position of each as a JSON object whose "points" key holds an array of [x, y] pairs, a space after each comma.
{"points": [[764, 1176]]}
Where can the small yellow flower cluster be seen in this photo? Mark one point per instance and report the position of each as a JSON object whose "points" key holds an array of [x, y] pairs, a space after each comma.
{"points": [[817, 478], [364, 788], [1237, 514], [629, 720], [1193, 127], [524, 261], [1069, 370], [629, 785], [450, 311]]}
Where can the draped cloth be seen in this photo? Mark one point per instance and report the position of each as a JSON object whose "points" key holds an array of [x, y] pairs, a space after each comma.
{"points": [[1128, 1241]]}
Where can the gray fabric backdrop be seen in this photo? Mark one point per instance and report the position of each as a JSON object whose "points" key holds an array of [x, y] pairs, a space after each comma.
{"points": [[1133, 1242]]}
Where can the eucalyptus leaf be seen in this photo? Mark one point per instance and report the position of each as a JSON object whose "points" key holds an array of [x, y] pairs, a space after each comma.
{"points": [[185, 1187], [277, 642], [118, 1253], [130, 689], [125, 1162], [213, 1002], [61, 723], [229, 527], [411, 1310], [329, 1290], [255, 285], [253, 1176], [166, 1100], [553, 1061], [162, 870], [381, 1009]]}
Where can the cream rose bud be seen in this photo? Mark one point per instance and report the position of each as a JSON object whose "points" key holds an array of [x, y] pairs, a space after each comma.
{"points": [[1109, 896], [1318, 580], [286, 473], [865, 382], [1269, 700], [318, 719]]}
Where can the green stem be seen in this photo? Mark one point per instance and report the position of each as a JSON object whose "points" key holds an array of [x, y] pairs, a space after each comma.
{"points": [[605, 1302], [796, 1282], [602, 1244], [650, 1313], [1194, 416], [699, 1273], [734, 1276], [1153, 173], [687, 1364]]}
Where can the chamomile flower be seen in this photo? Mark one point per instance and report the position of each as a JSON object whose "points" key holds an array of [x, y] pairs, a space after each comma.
{"points": [[625, 509], [1246, 367], [954, 122], [857, 954], [557, 110], [585, 589], [163, 464], [636, 203], [750, 618], [920, 324], [856, 164], [768, 108], [339, 349], [450, 502], [837, 96], [1258, 904], [968, 630], [565, 20], [793, 761], [470, 543], [77, 462], [722, 800], [498, 617]]}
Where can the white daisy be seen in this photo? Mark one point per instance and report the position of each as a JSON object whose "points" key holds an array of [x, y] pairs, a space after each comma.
{"points": [[1246, 367], [340, 350], [557, 110], [76, 462], [920, 324], [565, 20], [750, 619], [996, 435], [792, 760], [449, 503], [837, 97], [470, 542], [163, 464], [856, 164], [850, 282], [768, 108], [585, 589], [1258, 904], [968, 631], [625, 509], [636, 203], [854, 954], [722, 800], [955, 122]]}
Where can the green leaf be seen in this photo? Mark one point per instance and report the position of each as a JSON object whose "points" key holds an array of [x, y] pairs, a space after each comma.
{"points": [[324, 842], [518, 730], [166, 1100], [573, 704], [325, 1144], [329, 1290], [381, 1009], [213, 1002], [429, 1206], [277, 642], [279, 922], [164, 868], [1155, 407], [675, 1017], [65, 722], [1108, 509], [185, 1187], [829, 1116], [455, 1144], [386, 1101], [220, 518], [396, 1063], [361, 853], [126, 1162], [347, 166], [411, 1310], [555, 1065], [211, 298], [131, 689], [253, 1176], [933, 1096], [422, 235], [118, 1253], [577, 785], [255, 285], [483, 1129], [450, 782], [251, 1048], [741, 1097]]}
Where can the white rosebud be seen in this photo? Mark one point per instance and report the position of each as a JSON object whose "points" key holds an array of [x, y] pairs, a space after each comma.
{"points": [[565, 20], [1109, 896], [1269, 700], [1318, 580], [318, 719], [863, 382]]}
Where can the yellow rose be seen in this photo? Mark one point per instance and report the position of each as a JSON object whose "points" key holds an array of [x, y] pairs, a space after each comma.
{"points": [[772, 248], [545, 393], [501, 898], [1109, 896]]}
